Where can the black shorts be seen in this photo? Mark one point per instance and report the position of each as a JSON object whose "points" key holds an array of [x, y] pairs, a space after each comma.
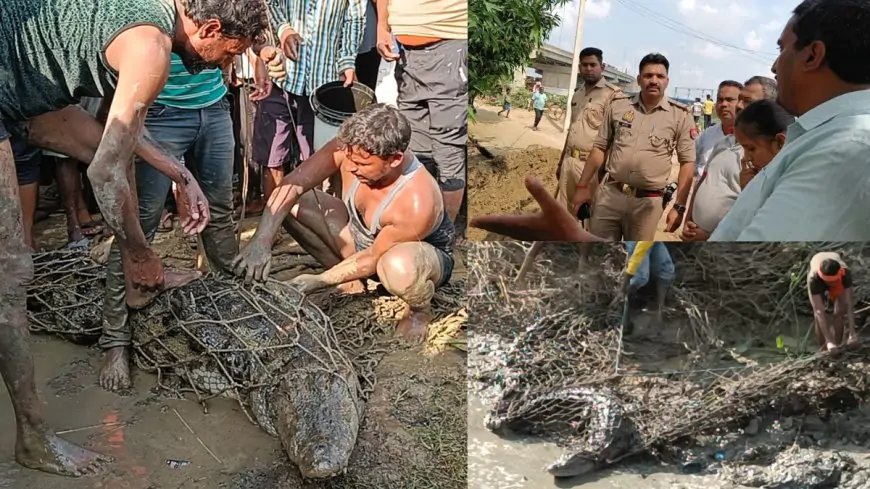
{"points": [[28, 159]]}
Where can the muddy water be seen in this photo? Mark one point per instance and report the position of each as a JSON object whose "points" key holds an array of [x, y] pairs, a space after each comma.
{"points": [[496, 463]]}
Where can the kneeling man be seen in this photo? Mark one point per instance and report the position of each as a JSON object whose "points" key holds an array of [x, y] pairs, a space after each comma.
{"points": [[390, 224]]}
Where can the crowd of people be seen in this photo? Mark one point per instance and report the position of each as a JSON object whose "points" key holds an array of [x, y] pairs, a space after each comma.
{"points": [[786, 162], [161, 120]]}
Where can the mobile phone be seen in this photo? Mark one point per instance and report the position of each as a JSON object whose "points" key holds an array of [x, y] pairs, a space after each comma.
{"points": [[584, 212]]}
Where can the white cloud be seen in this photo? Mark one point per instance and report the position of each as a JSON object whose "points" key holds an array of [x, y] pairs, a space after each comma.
{"points": [[689, 73], [597, 9], [773, 26], [710, 50], [688, 5], [753, 41]]}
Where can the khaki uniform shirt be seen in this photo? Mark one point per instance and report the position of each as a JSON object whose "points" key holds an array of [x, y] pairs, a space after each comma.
{"points": [[587, 113], [642, 142]]}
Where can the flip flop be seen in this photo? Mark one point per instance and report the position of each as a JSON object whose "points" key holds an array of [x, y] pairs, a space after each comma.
{"points": [[92, 228]]}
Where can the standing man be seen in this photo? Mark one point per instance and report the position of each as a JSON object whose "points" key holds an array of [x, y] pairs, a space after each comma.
{"points": [[433, 84], [717, 186], [125, 49], [321, 39], [191, 117], [726, 103], [588, 106], [697, 111], [708, 112], [368, 61], [815, 189], [539, 101], [645, 257], [830, 282], [636, 143]]}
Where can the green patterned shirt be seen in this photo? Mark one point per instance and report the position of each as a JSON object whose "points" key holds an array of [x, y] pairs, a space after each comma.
{"points": [[52, 52]]}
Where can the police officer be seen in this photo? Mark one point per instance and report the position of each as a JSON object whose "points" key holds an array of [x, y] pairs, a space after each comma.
{"points": [[588, 106], [638, 138]]}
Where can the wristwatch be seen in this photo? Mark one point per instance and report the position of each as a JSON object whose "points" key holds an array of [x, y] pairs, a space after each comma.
{"points": [[681, 209]]}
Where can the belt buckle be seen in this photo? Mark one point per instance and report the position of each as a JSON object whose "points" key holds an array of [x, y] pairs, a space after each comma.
{"points": [[627, 190], [575, 153]]}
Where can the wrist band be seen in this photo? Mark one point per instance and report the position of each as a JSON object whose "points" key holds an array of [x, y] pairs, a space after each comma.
{"points": [[581, 186]]}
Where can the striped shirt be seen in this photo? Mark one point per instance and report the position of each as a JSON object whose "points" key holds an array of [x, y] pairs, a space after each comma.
{"points": [[331, 32], [186, 91]]}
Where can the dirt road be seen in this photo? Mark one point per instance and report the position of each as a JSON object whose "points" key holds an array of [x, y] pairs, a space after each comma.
{"points": [[495, 185], [414, 433]]}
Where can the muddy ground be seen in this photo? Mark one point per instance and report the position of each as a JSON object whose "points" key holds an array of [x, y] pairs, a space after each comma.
{"points": [[414, 433], [510, 152]]}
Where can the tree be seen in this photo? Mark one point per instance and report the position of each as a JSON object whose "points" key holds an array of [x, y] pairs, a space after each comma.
{"points": [[502, 36]]}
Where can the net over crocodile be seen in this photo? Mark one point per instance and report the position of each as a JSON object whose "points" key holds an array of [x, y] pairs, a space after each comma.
{"points": [[265, 345]]}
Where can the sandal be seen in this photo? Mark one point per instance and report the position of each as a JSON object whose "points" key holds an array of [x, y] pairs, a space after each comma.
{"points": [[92, 228]]}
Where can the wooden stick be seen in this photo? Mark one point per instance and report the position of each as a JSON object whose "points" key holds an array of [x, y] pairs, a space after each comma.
{"points": [[197, 437]]}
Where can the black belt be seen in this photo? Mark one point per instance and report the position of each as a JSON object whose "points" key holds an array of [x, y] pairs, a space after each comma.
{"points": [[630, 191]]}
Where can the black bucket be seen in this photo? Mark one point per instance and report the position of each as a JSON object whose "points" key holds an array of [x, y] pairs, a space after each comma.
{"points": [[332, 104]]}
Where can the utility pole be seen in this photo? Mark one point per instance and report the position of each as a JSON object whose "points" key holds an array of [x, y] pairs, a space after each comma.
{"points": [[575, 64]]}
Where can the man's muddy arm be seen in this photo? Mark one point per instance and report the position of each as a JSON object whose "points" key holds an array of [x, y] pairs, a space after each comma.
{"points": [[143, 70], [403, 227], [819, 314], [308, 175]]}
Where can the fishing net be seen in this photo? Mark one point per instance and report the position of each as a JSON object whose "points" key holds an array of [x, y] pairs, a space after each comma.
{"points": [[65, 297], [549, 348], [213, 337]]}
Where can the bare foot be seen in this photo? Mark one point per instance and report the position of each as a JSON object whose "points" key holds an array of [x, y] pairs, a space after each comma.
{"points": [[352, 288], [115, 370], [831, 347], [852, 339], [414, 327], [48, 453], [172, 279]]}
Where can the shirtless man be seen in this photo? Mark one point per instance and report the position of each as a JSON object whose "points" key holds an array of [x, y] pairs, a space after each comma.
{"points": [[126, 46], [829, 281], [392, 222]]}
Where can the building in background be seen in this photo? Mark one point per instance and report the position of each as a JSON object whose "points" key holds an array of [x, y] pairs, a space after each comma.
{"points": [[553, 66]]}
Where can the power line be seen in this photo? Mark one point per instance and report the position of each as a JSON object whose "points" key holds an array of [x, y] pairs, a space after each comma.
{"points": [[681, 28]]}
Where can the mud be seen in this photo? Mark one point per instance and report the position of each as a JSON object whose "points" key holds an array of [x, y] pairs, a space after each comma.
{"points": [[413, 435], [496, 185]]}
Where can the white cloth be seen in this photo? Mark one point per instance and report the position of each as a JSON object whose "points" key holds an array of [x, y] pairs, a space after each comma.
{"points": [[704, 146], [720, 187]]}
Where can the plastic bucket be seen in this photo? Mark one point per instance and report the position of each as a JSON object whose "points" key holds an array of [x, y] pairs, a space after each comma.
{"points": [[332, 104]]}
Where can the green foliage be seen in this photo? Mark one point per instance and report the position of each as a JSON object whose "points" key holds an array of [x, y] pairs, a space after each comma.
{"points": [[502, 35], [519, 98]]}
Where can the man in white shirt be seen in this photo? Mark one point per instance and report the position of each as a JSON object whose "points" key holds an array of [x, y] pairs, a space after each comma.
{"points": [[718, 185], [726, 103], [697, 111]]}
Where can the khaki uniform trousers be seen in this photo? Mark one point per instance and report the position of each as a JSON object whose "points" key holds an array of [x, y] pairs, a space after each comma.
{"points": [[569, 178], [619, 217]]}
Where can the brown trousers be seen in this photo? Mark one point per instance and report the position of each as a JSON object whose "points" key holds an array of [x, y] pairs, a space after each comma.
{"points": [[618, 217]]}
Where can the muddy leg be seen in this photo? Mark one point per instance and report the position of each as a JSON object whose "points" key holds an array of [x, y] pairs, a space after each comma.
{"points": [[36, 446], [67, 183], [529, 260], [410, 271], [320, 227]]}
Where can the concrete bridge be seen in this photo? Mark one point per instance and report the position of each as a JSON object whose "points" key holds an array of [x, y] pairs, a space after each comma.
{"points": [[554, 64]]}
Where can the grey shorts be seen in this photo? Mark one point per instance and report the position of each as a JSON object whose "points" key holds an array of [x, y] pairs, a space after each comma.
{"points": [[433, 95]]}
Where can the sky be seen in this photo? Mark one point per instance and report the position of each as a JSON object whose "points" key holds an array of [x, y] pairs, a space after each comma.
{"points": [[716, 41]]}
